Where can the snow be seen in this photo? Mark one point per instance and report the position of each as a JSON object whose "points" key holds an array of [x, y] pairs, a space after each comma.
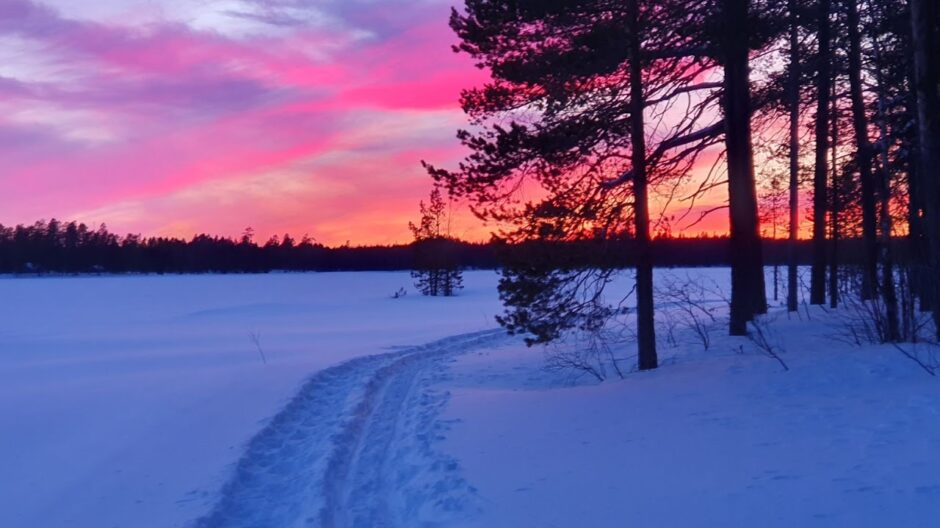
{"points": [[142, 401], [847, 437], [126, 401]]}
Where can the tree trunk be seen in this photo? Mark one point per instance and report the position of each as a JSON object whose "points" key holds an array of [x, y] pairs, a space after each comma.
{"points": [[863, 155], [893, 332], [817, 294], [925, 18], [646, 332], [836, 204], [748, 293], [917, 236], [776, 279], [793, 97]]}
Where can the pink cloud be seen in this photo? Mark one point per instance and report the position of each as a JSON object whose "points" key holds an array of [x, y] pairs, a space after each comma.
{"points": [[168, 128], [154, 115]]}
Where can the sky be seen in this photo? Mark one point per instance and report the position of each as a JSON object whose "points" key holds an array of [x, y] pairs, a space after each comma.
{"points": [[177, 117]]}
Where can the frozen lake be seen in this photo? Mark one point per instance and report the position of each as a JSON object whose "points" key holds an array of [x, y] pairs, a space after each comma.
{"points": [[123, 400]]}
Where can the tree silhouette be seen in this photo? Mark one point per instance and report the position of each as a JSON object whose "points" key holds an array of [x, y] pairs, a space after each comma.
{"points": [[561, 151], [437, 271]]}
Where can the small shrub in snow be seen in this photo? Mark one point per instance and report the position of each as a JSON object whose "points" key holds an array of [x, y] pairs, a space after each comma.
{"points": [[866, 321], [762, 335], [590, 353], [689, 300]]}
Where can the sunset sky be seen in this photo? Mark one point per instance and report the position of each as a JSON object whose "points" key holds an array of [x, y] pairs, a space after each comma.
{"points": [[173, 117]]}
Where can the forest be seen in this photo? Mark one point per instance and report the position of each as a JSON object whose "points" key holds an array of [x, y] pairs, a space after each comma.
{"points": [[54, 247], [815, 115]]}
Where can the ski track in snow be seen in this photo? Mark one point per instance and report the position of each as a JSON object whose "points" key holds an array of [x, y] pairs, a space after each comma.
{"points": [[354, 448]]}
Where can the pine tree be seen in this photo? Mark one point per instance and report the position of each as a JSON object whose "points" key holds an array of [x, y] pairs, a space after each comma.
{"points": [[748, 293], [793, 108], [437, 272], [563, 121], [925, 20], [821, 166]]}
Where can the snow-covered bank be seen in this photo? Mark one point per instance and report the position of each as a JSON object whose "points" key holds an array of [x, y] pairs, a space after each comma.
{"points": [[847, 437], [126, 401]]}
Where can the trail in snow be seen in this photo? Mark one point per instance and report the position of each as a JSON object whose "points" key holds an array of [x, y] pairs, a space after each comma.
{"points": [[354, 448]]}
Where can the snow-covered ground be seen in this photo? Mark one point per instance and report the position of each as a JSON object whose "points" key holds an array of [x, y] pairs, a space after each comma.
{"points": [[126, 401], [144, 402], [846, 437]]}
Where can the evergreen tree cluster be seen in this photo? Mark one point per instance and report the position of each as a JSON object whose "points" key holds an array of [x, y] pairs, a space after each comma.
{"points": [[436, 265], [594, 106], [72, 248]]}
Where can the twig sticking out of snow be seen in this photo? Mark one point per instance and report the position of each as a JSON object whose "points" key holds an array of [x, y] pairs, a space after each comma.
{"points": [[255, 337], [760, 338], [927, 368]]}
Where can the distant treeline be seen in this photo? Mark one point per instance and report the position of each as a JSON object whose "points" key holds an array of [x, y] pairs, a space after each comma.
{"points": [[59, 247]]}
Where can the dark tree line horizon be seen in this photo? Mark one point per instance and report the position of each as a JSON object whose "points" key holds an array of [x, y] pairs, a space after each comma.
{"points": [[74, 248], [595, 105]]}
